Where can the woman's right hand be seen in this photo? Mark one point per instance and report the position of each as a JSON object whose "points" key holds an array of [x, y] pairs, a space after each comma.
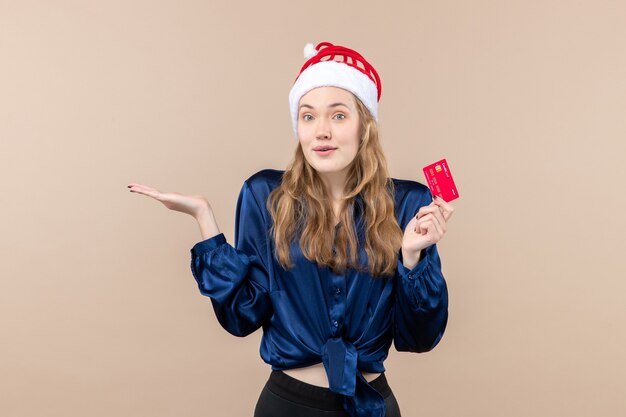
{"points": [[194, 205]]}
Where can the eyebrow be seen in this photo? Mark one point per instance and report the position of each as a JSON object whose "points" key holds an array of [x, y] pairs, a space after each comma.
{"points": [[330, 105]]}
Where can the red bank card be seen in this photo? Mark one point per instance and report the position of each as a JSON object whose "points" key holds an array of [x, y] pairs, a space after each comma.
{"points": [[440, 180]]}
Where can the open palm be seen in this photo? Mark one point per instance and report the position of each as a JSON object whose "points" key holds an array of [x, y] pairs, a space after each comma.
{"points": [[190, 204]]}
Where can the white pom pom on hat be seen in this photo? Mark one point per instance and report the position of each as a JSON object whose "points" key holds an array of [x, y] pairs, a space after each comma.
{"points": [[309, 50], [353, 73]]}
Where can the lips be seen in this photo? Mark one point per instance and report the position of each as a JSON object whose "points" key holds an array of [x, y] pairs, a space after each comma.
{"points": [[323, 148]]}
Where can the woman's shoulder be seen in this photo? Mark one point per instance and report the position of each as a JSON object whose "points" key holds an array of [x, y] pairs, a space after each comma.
{"points": [[412, 189], [262, 183], [410, 196]]}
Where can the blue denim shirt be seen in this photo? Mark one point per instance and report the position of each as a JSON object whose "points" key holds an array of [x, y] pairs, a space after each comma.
{"points": [[310, 314]]}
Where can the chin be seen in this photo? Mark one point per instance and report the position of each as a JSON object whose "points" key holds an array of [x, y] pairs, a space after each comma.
{"points": [[327, 169]]}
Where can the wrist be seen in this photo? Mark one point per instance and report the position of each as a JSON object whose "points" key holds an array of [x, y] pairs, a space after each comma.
{"points": [[208, 224], [409, 260], [203, 213]]}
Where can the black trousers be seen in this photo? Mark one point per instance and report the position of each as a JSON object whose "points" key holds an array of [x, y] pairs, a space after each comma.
{"points": [[285, 396]]}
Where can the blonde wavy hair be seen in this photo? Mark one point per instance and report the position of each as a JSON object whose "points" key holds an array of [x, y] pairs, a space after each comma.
{"points": [[302, 206]]}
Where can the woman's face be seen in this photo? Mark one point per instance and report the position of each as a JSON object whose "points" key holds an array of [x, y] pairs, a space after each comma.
{"points": [[328, 118]]}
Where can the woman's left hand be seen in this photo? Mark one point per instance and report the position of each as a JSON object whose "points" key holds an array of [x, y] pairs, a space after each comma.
{"points": [[427, 227]]}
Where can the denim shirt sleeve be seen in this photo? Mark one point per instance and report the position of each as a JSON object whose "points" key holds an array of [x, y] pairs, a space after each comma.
{"points": [[421, 299], [237, 278]]}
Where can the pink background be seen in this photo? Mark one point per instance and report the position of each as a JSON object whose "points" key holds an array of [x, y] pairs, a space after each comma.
{"points": [[99, 312]]}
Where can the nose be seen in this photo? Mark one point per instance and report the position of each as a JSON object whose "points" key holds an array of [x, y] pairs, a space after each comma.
{"points": [[323, 130]]}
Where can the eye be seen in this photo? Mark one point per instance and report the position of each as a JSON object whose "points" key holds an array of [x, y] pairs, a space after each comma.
{"points": [[305, 116], [342, 116]]}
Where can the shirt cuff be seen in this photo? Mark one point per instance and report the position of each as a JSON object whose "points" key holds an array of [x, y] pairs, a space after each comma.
{"points": [[417, 269], [208, 245]]}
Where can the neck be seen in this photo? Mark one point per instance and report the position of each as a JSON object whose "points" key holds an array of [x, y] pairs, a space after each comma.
{"points": [[335, 183]]}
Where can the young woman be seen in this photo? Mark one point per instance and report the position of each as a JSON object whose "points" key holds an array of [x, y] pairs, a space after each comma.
{"points": [[332, 258]]}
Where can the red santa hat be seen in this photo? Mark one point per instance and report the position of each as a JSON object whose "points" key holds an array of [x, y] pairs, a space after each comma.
{"points": [[352, 73]]}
